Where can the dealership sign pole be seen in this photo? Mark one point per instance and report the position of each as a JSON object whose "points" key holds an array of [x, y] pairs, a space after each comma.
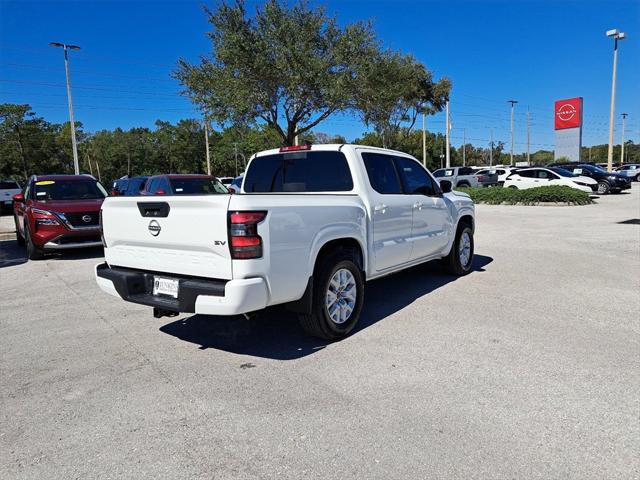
{"points": [[568, 127]]}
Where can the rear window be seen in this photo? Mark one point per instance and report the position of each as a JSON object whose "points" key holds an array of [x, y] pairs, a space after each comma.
{"points": [[319, 171], [44, 190], [8, 185], [196, 186]]}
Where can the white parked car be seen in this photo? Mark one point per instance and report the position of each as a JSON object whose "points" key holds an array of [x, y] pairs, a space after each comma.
{"points": [[503, 172], [8, 188], [312, 225], [541, 177], [226, 181]]}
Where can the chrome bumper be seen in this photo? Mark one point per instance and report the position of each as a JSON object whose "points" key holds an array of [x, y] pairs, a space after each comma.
{"points": [[67, 246]]}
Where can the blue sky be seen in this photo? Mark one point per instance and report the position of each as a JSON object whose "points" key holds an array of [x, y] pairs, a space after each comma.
{"points": [[532, 51]]}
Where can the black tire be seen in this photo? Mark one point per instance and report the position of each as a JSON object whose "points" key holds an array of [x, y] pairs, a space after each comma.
{"points": [[463, 185], [637, 178], [19, 237], [513, 187], [603, 187], [33, 252], [319, 322], [452, 262]]}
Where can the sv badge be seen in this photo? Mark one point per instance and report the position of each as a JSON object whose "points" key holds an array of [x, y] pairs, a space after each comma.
{"points": [[219, 242]]}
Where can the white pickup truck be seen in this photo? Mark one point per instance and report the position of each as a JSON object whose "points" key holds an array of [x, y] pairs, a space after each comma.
{"points": [[310, 226]]}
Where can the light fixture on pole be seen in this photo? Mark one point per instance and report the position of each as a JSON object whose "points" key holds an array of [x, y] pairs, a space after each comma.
{"points": [[616, 35], [513, 103], [72, 123]]}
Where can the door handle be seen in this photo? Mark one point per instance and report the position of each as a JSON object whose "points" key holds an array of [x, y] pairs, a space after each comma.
{"points": [[418, 205], [382, 208]]}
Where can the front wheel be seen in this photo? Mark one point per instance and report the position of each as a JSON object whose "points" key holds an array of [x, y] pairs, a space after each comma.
{"points": [[33, 251], [338, 294], [603, 188], [19, 236], [459, 260]]}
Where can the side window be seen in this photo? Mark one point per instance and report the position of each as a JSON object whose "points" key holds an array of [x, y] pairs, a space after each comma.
{"points": [[465, 171], [543, 174], [450, 172], [382, 173], [438, 173], [527, 173], [26, 191], [415, 179]]}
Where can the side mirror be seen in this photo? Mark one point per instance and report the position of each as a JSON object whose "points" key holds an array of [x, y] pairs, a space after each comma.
{"points": [[446, 186], [18, 198]]}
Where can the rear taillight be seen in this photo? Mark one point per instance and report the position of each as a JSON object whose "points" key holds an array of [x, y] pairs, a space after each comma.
{"points": [[244, 241]]}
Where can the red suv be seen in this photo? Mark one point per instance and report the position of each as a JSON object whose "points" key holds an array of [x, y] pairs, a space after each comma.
{"points": [[58, 212]]}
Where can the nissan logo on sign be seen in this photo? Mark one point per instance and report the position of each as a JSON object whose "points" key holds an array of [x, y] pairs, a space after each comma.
{"points": [[154, 228], [568, 113]]}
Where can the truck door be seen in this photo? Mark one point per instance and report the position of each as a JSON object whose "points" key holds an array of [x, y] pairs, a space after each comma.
{"points": [[432, 222], [391, 212]]}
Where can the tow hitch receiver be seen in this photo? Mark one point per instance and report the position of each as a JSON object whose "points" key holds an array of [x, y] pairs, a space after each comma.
{"points": [[161, 312]]}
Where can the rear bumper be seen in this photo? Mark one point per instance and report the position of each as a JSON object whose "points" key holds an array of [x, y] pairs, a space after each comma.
{"points": [[195, 295]]}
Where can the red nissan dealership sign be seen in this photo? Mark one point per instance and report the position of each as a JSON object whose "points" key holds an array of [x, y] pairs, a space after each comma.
{"points": [[568, 113]]}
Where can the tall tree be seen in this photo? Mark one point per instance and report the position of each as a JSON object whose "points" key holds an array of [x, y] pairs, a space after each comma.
{"points": [[293, 67]]}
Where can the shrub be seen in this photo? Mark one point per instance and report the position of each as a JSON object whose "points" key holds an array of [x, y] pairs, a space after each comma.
{"points": [[530, 196]]}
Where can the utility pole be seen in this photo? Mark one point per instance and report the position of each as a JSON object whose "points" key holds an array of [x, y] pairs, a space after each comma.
{"points": [[528, 138], [491, 149], [624, 118], [448, 127], [424, 138], [513, 103], [616, 36], [235, 154], [72, 123], [464, 147], [206, 144]]}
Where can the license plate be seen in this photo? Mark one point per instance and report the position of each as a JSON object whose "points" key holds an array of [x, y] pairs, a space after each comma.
{"points": [[8, 202], [165, 286]]}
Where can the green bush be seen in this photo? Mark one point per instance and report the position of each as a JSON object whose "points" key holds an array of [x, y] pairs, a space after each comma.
{"points": [[530, 196]]}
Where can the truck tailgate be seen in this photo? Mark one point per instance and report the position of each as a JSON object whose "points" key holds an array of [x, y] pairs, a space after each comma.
{"points": [[174, 234]]}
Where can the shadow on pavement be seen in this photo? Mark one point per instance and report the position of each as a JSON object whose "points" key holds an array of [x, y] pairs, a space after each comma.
{"points": [[11, 253], [275, 333]]}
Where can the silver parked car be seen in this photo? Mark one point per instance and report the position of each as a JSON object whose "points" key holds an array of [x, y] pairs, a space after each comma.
{"points": [[631, 170], [460, 177]]}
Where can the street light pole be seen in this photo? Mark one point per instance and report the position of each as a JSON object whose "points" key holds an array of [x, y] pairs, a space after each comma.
{"points": [[513, 103], [206, 144], [616, 36], [424, 138], [624, 118], [448, 127], [72, 122]]}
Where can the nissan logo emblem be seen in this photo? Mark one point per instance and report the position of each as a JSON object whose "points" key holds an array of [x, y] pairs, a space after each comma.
{"points": [[154, 228], [86, 218], [566, 112]]}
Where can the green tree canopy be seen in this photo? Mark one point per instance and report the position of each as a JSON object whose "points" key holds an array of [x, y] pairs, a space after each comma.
{"points": [[292, 67]]}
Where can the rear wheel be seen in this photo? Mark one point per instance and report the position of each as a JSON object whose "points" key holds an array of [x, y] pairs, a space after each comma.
{"points": [[19, 236], [460, 259], [463, 185], [603, 187], [338, 294], [33, 251], [638, 178]]}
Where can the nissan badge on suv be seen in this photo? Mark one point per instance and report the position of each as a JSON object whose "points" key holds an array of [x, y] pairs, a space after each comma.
{"points": [[58, 212]]}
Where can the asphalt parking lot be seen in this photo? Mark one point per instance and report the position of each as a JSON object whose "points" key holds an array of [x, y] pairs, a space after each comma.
{"points": [[529, 367]]}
